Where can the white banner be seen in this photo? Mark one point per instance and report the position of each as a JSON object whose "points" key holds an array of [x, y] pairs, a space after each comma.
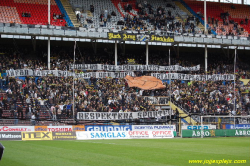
{"points": [[60, 73], [16, 128], [85, 135], [151, 134], [133, 67], [179, 76], [153, 127], [121, 115]]}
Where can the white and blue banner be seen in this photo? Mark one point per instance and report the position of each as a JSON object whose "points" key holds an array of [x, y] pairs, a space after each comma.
{"points": [[85, 135], [101, 135], [238, 126], [191, 127], [107, 128]]}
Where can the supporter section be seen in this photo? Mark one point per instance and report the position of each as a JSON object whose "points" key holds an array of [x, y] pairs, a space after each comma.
{"points": [[114, 95]]}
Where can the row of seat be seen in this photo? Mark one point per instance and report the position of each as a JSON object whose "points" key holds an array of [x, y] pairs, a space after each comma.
{"points": [[41, 2], [37, 9], [214, 11]]}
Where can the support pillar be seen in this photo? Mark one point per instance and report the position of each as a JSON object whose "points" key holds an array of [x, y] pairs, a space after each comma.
{"points": [[205, 16], [146, 53], [116, 52], [33, 39], [206, 59], [48, 53], [178, 52]]}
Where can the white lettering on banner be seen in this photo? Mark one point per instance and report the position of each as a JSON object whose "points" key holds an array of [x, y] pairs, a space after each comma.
{"points": [[107, 128], [10, 136], [123, 134], [122, 115], [59, 128], [153, 127], [17, 128], [199, 133], [205, 127], [242, 133], [59, 73], [101, 135], [133, 67], [189, 77]]}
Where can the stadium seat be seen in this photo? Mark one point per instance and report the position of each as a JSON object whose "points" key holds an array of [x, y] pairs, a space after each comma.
{"points": [[11, 11]]}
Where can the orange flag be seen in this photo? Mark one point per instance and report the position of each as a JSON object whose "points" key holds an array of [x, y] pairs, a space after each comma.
{"points": [[144, 82]]}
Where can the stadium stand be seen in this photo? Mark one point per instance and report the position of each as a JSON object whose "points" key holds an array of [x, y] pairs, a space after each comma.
{"points": [[44, 94], [225, 19], [30, 12], [114, 95]]}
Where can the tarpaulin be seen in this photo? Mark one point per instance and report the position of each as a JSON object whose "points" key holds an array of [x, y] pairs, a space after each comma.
{"points": [[145, 82]]}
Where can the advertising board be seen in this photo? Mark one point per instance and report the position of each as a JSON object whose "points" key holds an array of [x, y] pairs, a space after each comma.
{"points": [[78, 128], [124, 134], [64, 135], [108, 128], [191, 127], [16, 128], [150, 134], [10, 136], [28, 136], [153, 127], [41, 128], [216, 133], [59, 128], [237, 126], [101, 135]]}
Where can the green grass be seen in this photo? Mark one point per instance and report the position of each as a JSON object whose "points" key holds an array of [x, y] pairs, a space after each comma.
{"points": [[145, 152]]}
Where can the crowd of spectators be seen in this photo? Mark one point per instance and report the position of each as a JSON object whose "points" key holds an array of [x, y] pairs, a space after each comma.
{"points": [[54, 94]]}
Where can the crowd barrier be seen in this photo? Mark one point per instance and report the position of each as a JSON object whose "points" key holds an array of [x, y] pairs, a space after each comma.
{"points": [[86, 132]]}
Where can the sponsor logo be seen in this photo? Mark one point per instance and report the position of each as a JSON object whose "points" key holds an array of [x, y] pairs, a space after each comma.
{"points": [[17, 128], [138, 134], [41, 128], [201, 133], [238, 126], [60, 128], [242, 132], [108, 128], [10, 136], [162, 134], [103, 135], [64, 135], [79, 128], [36, 136], [153, 127], [205, 127]]}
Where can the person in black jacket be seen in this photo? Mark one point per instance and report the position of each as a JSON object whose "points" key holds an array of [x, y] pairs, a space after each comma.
{"points": [[1, 111], [20, 110]]}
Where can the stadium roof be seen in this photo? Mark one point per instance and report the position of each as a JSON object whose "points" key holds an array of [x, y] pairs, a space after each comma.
{"points": [[246, 2]]}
